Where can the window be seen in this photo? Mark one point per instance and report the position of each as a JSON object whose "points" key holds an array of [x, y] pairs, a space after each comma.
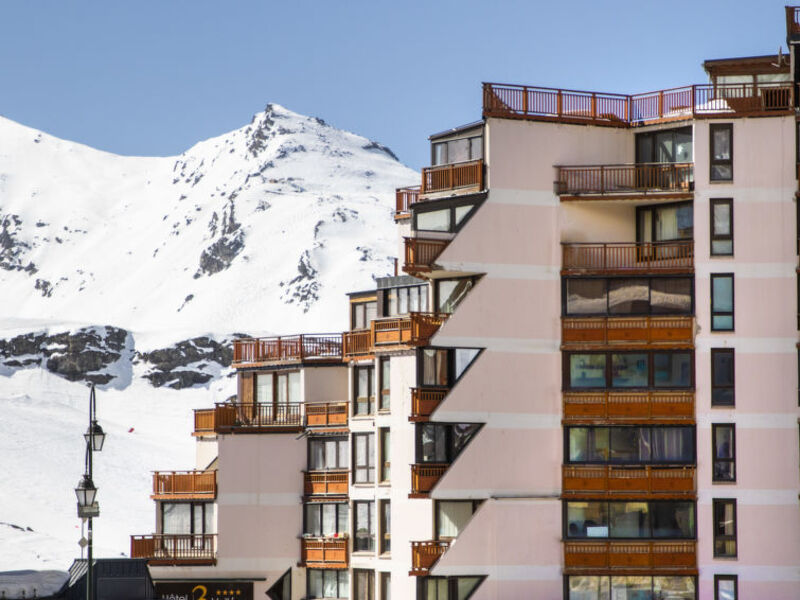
{"points": [[386, 586], [386, 526], [385, 402], [385, 436], [362, 313], [449, 219], [724, 528], [364, 390], [723, 440], [460, 150], [721, 227], [726, 587], [403, 300], [670, 145], [665, 223], [440, 367], [328, 583], [326, 519], [195, 518], [279, 388], [364, 526], [722, 377], [363, 584], [282, 588], [605, 587], [630, 519], [722, 302], [442, 442], [364, 461], [721, 146], [450, 293], [625, 296], [446, 588], [452, 516], [628, 370], [637, 445], [327, 453]]}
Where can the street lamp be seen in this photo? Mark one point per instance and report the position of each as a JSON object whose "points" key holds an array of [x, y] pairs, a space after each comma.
{"points": [[86, 492]]}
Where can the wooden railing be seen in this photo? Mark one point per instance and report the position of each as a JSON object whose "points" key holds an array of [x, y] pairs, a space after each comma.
{"points": [[606, 480], [311, 347], [325, 414], [662, 407], [425, 475], [455, 176], [425, 554], [620, 110], [356, 343], [629, 257], [405, 198], [424, 401], [658, 556], [184, 484], [257, 415], [413, 329], [175, 549], [326, 482], [422, 253], [324, 552], [204, 420], [625, 179], [792, 20], [636, 331]]}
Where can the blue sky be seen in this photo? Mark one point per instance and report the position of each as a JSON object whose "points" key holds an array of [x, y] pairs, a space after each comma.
{"points": [[153, 77]]}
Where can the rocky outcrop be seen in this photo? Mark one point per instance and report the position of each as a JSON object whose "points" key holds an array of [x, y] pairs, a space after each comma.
{"points": [[187, 363]]}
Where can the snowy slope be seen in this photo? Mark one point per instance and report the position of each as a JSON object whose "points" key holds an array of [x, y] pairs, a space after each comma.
{"points": [[261, 230]]}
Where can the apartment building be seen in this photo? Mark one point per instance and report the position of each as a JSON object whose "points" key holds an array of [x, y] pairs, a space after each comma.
{"points": [[585, 386]]}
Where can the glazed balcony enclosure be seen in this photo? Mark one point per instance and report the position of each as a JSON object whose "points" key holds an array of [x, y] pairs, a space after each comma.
{"points": [[601, 481], [424, 401], [625, 181], [425, 554], [175, 549], [424, 476], [258, 417], [645, 332], [333, 482], [625, 258], [413, 329], [324, 553], [655, 557], [305, 348], [184, 485], [658, 407]]}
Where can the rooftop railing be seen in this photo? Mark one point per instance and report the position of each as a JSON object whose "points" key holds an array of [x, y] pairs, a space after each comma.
{"points": [[306, 347]]}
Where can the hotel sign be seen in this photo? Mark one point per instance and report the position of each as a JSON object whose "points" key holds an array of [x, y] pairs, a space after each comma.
{"points": [[204, 590]]}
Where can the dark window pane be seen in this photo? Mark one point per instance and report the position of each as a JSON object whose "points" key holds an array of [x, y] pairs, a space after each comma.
{"points": [[434, 367], [722, 380], [673, 519], [587, 519], [631, 586], [587, 370], [630, 444], [433, 443], [586, 296], [629, 370], [673, 369], [451, 293], [628, 520], [672, 444], [671, 296], [461, 436], [628, 296]]}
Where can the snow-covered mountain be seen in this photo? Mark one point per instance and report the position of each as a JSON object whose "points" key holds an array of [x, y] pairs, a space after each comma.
{"points": [[135, 273]]}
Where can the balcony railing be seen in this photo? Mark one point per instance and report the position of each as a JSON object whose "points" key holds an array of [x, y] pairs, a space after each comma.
{"points": [[425, 475], [425, 554], [324, 553], [462, 176], [357, 343], [168, 485], [424, 401], [326, 483], [257, 417], [176, 549], [585, 332], [421, 254], [621, 110], [204, 421], [628, 257], [628, 179], [656, 407], [608, 480], [326, 414], [405, 198], [296, 348], [655, 556], [415, 329]]}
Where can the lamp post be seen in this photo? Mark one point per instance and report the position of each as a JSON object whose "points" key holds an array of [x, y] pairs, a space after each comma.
{"points": [[86, 491]]}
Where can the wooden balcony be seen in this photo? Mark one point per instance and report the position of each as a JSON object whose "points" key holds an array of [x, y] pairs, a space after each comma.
{"points": [[667, 407], [184, 485], [421, 254], [315, 348], [405, 198], [603, 481], [258, 417], [176, 550], [425, 554], [357, 343], [424, 476], [657, 557], [411, 330], [324, 553], [424, 401], [579, 333], [326, 483], [204, 421], [623, 110], [627, 258], [626, 181], [326, 414], [462, 177]]}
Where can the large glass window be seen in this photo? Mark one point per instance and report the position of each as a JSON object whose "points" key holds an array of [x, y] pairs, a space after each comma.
{"points": [[722, 377], [626, 296], [386, 445], [628, 370], [721, 147], [672, 370], [726, 587], [587, 370], [362, 313], [452, 516], [722, 302], [364, 390], [327, 519], [404, 300], [386, 526], [442, 442], [187, 518], [446, 588], [721, 226], [670, 145], [630, 519], [723, 440], [665, 223], [450, 293], [385, 385], [363, 584], [724, 527], [327, 453], [630, 587], [364, 459], [460, 150], [671, 296], [435, 367], [328, 583], [630, 445], [364, 526]]}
